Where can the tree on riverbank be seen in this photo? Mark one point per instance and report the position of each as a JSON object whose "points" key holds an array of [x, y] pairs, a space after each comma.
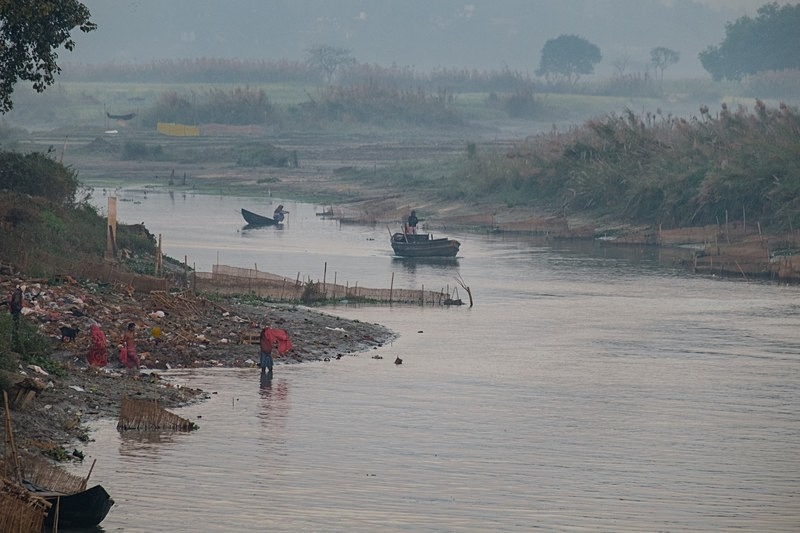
{"points": [[30, 32], [566, 57], [751, 45]]}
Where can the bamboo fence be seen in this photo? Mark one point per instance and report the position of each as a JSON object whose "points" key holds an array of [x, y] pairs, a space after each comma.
{"points": [[20, 509], [234, 280], [146, 415], [43, 473]]}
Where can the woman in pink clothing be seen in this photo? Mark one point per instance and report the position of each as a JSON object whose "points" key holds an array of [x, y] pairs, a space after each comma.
{"points": [[127, 352]]}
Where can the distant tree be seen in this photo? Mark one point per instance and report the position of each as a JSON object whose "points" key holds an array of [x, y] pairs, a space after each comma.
{"points": [[662, 57], [768, 42], [566, 57], [30, 32], [621, 64], [328, 59]]}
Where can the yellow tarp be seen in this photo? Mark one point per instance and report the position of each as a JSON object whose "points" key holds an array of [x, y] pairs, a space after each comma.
{"points": [[177, 130]]}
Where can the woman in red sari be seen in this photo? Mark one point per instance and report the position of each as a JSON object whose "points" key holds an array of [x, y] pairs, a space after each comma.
{"points": [[98, 351]]}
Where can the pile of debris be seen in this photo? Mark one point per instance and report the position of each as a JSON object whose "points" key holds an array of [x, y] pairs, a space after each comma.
{"points": [[178, 329]]}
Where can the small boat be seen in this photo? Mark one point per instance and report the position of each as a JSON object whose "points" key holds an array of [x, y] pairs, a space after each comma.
{"points": [[254, 219], [86, 508], [423, 245]]}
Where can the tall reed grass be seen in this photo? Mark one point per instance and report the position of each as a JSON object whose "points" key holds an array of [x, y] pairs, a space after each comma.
{"points": [[656, 169]]}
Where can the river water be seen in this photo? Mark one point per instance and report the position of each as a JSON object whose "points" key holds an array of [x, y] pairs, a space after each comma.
{"points": [[589, 388]]}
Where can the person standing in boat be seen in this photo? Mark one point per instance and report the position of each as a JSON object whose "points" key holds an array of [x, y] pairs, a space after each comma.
{"points": [[279, 214], [411, 223]]}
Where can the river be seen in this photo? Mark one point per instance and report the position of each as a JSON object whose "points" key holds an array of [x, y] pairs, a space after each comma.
{"points": [[589, 388]]}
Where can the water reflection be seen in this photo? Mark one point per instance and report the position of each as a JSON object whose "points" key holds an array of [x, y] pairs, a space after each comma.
{"points": [[266, 382], [252, 227], [275, 395], [410, 264], [143, 443]]}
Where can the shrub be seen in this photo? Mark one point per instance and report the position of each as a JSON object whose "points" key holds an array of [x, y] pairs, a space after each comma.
{"points": [[135, 150], [773, 84], [262, 154], [37, 175]]}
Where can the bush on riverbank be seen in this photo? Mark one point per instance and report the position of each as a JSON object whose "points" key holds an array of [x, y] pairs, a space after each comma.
{"points": [[45, 229], [659, 170]]}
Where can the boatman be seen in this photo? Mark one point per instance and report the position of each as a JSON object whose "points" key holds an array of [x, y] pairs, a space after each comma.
{"points": [[279, 214], [411, 223]]}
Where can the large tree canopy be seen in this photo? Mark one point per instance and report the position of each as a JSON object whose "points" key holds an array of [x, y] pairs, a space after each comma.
{"points": [[566, 57], [30, 33], [768, 42]]}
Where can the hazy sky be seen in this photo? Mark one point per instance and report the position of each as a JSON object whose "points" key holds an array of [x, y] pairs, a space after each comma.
{"points": [[423, 34]]}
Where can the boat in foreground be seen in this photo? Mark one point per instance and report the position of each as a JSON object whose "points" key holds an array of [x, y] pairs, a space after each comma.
{"points": [[86, 508], [423, 245], [254, 219]]}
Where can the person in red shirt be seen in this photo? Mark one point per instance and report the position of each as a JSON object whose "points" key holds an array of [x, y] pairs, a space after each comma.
{"points": [[270, 337]]}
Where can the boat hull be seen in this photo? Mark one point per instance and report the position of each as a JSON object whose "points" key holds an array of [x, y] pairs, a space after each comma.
{"points": [[254, 219], [82, 509], [422, 245]]}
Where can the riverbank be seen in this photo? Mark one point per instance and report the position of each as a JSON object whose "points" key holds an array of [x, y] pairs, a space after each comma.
{"points": [[173, 331], [360, 179]]}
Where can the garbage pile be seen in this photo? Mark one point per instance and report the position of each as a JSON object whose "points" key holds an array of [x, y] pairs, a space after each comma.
{"points": [[173, 329], [178, 329]]}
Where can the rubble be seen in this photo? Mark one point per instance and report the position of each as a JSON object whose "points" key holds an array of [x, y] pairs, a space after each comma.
{"points": [[174, 330], [178, 329]]}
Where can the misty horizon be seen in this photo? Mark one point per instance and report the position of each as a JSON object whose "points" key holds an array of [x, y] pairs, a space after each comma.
{"points": [[480, 34]]}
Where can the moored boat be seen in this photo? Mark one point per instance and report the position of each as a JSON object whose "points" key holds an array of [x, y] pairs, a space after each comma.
{"points": [[254, 219], [86, 508], [423, 245]]}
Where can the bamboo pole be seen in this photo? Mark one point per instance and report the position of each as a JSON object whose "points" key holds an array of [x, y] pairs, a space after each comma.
{"points": [[86, 480], [11, 444], [744, 220]]}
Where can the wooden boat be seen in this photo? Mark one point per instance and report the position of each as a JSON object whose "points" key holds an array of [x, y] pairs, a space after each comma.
{"points": [[127, 116], [423, 245], [86, 508], [255, 219]]}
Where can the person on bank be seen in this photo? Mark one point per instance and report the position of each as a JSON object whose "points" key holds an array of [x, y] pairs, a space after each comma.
{"points": [[127, 350], [15, 302], [279, 214], [269, 338], [98, 351], [411, 223]]}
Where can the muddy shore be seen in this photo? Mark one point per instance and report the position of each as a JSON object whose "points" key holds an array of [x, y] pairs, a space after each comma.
{"points": [[190, 332]]}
